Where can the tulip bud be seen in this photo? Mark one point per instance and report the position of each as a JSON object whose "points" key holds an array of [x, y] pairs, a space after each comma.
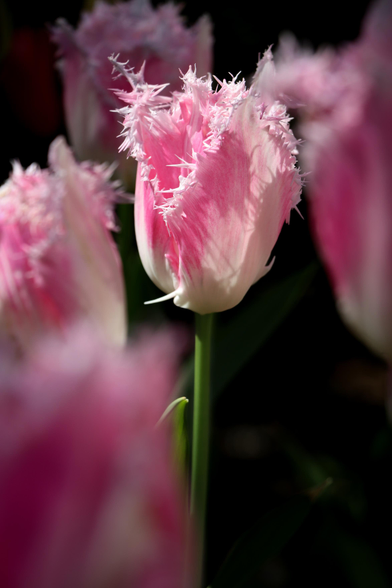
{"points": [[216, 180], [346, 120], [141, 34], [89, 497], [58, 260]]}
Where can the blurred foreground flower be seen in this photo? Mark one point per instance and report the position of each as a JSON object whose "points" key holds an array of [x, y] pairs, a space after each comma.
{"points": [[58, 261], [345, 107], [139, 34], [216, 180], [88, 494]]}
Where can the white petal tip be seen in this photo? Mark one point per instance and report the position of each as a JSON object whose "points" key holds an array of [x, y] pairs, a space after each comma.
{"points": [[163, 298]]}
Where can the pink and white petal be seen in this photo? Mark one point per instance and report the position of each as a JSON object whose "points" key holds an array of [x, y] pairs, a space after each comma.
{"points": [[351, 208], [155, 244], [227, 224], [97, 266]]}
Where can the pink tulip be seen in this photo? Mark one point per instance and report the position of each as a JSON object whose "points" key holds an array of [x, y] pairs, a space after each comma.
{"points": [[346, 121], [216, 180], [58, 260], [89, 497], [139, 34]]}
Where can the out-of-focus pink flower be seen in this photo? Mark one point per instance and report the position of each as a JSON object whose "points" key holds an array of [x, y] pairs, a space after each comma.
{"points": [[346, 120], [89, 497], [216, 181], [58, 260], [139, 34]]}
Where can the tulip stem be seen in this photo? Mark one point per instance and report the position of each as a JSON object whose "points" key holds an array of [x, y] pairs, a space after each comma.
{"points": [[201, 428]]}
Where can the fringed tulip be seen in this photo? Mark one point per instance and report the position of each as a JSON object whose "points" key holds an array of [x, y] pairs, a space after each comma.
{"points": [[346, 120], [89, 497], [216, 180], [140, 34], [58, 260]]}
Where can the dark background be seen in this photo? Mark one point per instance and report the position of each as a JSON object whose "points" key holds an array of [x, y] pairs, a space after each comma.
{"points": [[310, 404], [29, 117]]}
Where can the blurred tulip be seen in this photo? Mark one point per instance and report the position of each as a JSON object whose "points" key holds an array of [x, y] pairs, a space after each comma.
{"points": [[139, 33], [58, 261], [346, 120], [88, 494], [216, 180]]}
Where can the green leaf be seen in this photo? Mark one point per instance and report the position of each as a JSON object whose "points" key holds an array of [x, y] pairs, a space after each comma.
{"points": [[237, 341], [263, 540], [180, 435], [171, 408], [357, 558], [310, 470], [176, 411]]}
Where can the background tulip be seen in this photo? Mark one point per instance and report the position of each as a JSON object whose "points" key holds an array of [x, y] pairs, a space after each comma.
{"points": [[346, 120], [88, 494], [216, 180], [140, 34], [58, 261]]}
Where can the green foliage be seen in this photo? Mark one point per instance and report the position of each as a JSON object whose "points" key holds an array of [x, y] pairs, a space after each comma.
{"points": [[180, 434], [356, 558], [262, 541], [238, 341], [176, 410]]}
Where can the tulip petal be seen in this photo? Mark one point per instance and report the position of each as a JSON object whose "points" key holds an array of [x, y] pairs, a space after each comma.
{"points": [[141, 34], [216, 180], [58, 260]]}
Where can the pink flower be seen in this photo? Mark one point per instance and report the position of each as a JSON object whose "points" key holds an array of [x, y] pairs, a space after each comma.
{"points": [[216, 180], [58, 260], [139, 34], [88, 494], [347, 125]]}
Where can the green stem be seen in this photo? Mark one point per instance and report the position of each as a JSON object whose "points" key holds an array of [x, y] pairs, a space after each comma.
{"points": [[201, 429]]}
